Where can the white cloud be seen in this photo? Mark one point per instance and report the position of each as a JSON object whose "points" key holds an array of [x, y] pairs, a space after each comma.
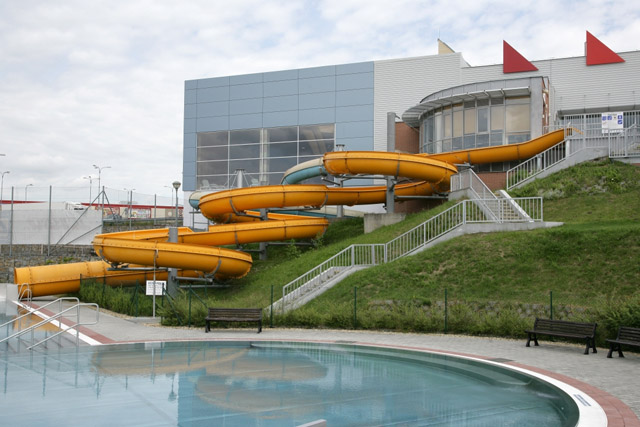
{"points": [[102, 82]]}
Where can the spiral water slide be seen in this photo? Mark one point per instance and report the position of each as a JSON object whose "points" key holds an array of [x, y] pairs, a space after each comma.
{"points": [[238, 222]]}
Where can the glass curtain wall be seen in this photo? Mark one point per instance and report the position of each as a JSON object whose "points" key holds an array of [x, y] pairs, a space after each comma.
{"points": [[475, 124], [263, 154]]}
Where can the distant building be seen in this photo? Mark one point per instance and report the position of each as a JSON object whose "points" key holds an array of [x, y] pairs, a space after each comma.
{"points": [[267, 122]]}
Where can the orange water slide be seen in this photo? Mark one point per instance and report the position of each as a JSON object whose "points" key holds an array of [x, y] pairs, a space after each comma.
{"points": [[199, 251]]}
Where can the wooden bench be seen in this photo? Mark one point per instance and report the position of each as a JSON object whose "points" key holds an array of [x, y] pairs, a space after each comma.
{"points": [[233, 315], [626, 336], [564, 329]]}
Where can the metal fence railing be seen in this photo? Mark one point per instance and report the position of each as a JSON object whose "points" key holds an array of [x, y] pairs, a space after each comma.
{"points": [[55, 216], [363, 255], [585, 136]]}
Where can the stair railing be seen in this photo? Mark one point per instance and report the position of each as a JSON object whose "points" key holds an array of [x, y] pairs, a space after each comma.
{"points": [[58, 315], [464, 212]]}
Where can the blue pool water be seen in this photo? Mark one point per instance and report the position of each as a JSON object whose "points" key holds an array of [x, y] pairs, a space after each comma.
{"points": [[268, 384]]}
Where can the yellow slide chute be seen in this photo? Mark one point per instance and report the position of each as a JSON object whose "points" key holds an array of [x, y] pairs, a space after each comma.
{"points": [[200, 252]]}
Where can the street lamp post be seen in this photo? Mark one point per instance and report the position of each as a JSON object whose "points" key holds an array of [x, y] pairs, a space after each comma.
{"points": [[25, 191], [2, 186], [100, 173], [176, 185], [90, 178], [100, 192]]}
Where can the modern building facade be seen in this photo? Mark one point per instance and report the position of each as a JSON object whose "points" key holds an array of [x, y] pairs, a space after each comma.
{"points": [[265, 123]]}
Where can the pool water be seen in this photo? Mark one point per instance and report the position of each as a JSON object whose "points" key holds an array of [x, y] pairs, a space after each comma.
{"points": [[269, 384]]}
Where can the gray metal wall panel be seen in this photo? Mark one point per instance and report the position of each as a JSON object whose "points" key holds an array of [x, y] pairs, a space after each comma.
{"points": [[253, 90], [354, 97], [329, 70], [189, 125], [188, 181], [400, 84], [246, 121], [354, 130], [190, 140], [190, 111], [190, 84], [354, 81], [280, 118], [190, 96], [357, 144], [280, 103], [317, 100], [317, 84], [360, 67], [245, 106], [281, 88], [213, 82], [317, 116], [274, 76], [189, 161], [212, 124], [244, 79], [354, 113], [213, 109], [213, 94]]}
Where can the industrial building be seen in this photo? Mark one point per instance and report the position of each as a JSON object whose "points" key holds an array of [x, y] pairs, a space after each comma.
{"points": [[265, 123]]}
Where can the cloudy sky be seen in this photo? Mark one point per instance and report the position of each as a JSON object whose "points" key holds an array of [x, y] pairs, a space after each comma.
{"points": [[102, 82]]}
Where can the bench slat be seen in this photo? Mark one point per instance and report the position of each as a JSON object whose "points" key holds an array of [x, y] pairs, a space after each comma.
{"points": [[626, 336], [564, 329], [233, 315]]}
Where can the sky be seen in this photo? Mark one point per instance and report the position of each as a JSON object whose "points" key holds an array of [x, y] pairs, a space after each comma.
{"points": [[94, 82]]}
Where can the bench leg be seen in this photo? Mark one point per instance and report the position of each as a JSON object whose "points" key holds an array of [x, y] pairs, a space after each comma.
{"points": [[586, 350], [207, 327], [613, 347], [529, 339], [593, 345], [259, 326]]}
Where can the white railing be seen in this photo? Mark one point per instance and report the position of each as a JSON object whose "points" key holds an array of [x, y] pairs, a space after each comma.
{"points": [[464, 212], [625, 144], [537, 164], [52, 319], [622, 144]]}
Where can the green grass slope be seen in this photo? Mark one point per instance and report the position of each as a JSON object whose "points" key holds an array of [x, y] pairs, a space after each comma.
{"points": [[493, 284]]}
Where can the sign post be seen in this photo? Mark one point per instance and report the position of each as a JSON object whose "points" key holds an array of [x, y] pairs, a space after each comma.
{"points": [[156, 287]]}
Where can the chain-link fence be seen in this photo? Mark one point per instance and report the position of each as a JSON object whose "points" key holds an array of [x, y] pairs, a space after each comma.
{"points": [[74, 215]]}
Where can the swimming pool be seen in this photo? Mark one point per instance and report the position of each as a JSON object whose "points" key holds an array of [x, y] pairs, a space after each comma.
{"points": [[255, 383]]}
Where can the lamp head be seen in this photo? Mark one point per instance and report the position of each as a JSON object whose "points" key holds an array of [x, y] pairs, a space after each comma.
{"points": [[176, 185]]}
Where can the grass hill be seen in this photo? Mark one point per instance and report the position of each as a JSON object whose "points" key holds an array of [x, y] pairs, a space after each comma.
{"points": [[495, 283]]}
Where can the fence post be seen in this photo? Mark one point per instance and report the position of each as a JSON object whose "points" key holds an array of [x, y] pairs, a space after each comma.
{"points": [[551, 305], [190, 292], [49, 226], [353, 255], [446, 313], [271, 311], [355, 310]]}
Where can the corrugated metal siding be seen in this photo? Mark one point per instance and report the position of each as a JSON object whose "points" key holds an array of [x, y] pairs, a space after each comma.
{"points": [[576, 86], [402, 83]]}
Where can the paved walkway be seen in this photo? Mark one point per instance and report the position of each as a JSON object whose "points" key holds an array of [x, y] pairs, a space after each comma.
{"points": [[611, 382]]}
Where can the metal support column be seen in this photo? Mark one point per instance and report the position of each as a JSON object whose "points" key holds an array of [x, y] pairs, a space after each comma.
{"points": [[172, 282]]}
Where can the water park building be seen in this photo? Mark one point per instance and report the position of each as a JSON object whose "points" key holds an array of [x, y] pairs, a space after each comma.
{"points": [[266, 123]]}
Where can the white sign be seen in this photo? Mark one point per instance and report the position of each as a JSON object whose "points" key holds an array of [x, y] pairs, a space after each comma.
{"points": [[158, 289], [612, 123]]}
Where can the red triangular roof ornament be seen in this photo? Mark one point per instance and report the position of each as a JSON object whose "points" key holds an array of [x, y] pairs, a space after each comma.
{"points": [[513, 62], [598, 53]]}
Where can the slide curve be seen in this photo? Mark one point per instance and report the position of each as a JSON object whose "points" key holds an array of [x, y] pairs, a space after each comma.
{"points": [[238, 220]]}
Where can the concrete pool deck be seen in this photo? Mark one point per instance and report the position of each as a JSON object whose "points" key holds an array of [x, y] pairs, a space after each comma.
{"points": [[611, 382]]}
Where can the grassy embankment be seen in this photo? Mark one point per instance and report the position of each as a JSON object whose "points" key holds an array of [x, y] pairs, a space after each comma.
{"points": [[495, 284]]}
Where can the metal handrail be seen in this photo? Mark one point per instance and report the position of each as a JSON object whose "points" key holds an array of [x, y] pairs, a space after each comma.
{"points": [[59, 300], [54, 317], [466, 211], [29, 291]]}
